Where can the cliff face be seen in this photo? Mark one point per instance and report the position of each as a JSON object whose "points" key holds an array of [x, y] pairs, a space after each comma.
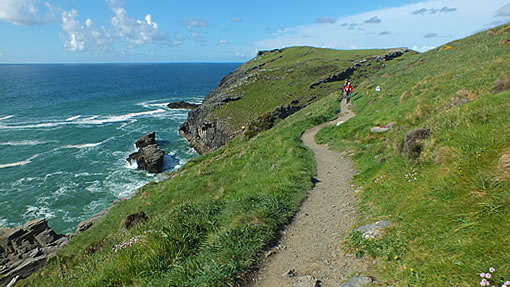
{"points": [[272, 86], [204, 131]]}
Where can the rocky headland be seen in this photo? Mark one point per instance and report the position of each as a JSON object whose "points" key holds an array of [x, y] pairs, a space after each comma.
{"points": [[206, 131]]}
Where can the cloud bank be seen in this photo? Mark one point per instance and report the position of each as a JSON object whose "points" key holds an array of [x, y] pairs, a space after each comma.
{"points": [[26, 12], [420, 26], [124, 29]]}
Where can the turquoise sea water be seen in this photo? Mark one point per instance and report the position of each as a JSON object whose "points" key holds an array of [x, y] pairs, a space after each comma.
{"points": [[66, 131]]}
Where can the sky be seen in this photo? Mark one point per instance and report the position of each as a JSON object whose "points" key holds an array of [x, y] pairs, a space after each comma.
{"points": [[95, 31]]}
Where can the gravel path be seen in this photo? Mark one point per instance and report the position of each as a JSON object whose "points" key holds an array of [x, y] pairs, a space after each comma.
{"points": [[310, 252]]}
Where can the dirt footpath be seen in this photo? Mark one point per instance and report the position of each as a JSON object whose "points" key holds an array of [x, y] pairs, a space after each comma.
{"points": [[310, 252]]}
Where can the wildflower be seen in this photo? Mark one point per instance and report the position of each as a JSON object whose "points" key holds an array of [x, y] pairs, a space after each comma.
{"points": [[488, 275], [492, 269], [482, 275], [507, 283], [411, 269], [484, 282]]}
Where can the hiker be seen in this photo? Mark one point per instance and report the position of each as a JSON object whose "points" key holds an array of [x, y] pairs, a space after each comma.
{"points": [[348, 90], [345, 85]]}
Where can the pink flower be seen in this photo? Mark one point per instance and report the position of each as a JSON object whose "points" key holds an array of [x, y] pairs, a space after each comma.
{"points": [[492, 269], [484, 282], [482, 275], [507, 283], [488, 275]]}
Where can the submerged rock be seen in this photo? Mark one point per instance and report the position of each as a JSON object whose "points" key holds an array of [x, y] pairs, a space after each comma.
{"points": [[183, 105]]}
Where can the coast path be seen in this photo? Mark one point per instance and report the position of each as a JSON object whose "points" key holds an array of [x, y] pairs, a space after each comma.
{"points": [[310, 252]]}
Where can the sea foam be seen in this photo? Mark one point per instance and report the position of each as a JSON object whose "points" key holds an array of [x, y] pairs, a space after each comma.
{"points": [[19, 163]]}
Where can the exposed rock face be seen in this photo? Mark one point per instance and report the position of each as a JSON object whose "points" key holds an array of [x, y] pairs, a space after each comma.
{"points": [[413, 142], [345, 74], [25, 249], [148, 156], [204, 131], [358, 282], [183, 105]]}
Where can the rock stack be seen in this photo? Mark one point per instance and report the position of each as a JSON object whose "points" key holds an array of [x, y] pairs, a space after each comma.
{"points": [[26, 249], [148, 156]]}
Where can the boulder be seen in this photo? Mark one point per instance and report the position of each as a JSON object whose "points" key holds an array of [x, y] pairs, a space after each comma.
{"points": [[87, 223], [373, 230], [25, 249], [413, 144], [148, 156], [134, 219], [358, 282], [183, 105]]}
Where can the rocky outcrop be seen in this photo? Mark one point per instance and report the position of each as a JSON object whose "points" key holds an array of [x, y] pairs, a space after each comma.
{"points": [[345, 74], [203, 130], [87, 223], [26, 249], [183, 105], [148, 156]]}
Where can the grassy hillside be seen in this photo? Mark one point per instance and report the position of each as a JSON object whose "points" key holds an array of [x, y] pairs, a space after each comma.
{"points": [[280, 77], [210, 218], [207, 222], [450, 207]]}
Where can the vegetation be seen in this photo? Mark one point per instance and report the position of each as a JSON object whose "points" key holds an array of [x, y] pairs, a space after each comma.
{"points": [[449, 207]]}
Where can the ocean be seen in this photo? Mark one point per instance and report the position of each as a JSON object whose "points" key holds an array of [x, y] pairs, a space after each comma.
{"points": [[66, 131]]}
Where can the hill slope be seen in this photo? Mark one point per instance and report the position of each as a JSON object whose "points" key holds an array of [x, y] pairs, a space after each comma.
{"points": [[210, 219], [448, 195], [270, 87]]}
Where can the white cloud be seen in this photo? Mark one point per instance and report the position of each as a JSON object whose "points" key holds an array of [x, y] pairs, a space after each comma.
{"points": [[222, 42], [26, 12], [194, 23], [325, 19], [373, 20], [431, 11], [503, 11], [407, 29], [124, 29]]}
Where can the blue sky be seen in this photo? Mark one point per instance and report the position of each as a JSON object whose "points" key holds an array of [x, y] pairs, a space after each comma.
{"points": [[75, 31]]}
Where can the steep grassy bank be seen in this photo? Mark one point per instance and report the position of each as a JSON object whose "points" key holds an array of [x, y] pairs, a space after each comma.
{"points": [[209, 220], [206, 223], [450, 207]]}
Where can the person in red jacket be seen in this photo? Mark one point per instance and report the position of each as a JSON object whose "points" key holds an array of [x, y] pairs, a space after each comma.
{"points": [[348, 90]]}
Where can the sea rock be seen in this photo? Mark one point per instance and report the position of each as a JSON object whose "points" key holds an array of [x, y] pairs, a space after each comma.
{"points": [[134, 219], [146, 139], [413, 142], [358, 282], [373, 230], [182, 105], [87, 223], [25, 249], [148, 156]]}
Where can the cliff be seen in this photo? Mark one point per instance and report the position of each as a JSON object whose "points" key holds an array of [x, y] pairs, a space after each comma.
{"points": [[272, 86]]}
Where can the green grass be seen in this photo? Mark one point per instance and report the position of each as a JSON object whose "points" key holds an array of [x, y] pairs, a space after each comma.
{"points": [[211, 218], [208, 223], [454, 219], [285, 77]]}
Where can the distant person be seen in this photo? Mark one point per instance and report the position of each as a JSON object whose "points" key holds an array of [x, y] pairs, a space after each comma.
{"points": [[348, 90], [345, 85]]}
